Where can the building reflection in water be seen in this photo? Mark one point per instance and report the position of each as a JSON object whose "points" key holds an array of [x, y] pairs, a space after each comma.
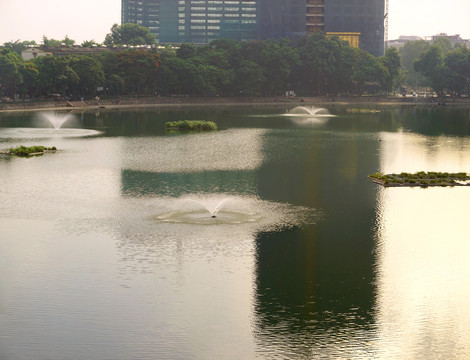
{"points": [[314, 291]]}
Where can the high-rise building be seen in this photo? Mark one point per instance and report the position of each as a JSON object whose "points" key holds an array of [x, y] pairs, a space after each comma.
{"points": [[359, 16], [201, 21], [142, 12], [281, 18]]}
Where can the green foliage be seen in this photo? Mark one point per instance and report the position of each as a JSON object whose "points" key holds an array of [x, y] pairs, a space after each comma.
{"points": [[449, 73], [89, 43], [129, 34], [316, 65], [18, 46], [444, 44], [31, 150], [10, 74], [392, 64], [420, 178], [90, 74], [191, 125], [56, 43]]}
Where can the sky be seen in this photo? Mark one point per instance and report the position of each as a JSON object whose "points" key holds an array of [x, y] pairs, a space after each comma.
{"points": [[92, 19]]}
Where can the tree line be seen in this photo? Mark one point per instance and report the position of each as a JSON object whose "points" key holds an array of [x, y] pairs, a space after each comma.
{"points": [[316, 65], [439, 66], [313, 66]]}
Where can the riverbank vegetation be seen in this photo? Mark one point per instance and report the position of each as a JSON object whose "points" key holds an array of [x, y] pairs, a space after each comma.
{"points": [[422, 178], [130, 63], [191, 125]]}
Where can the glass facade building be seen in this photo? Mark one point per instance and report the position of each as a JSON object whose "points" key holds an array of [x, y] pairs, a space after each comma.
{"points": [[360, 16], [281, 18], [142, 12], [201, 21]]}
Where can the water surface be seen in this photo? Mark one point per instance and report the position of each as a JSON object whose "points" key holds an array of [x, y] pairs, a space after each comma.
{"points": [[108, 249]]}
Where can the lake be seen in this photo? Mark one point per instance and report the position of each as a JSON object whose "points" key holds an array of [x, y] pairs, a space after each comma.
{"points": [[109, 248]]}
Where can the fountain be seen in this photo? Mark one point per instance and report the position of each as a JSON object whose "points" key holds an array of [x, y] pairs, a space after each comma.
{"points": [[56, 119], [310, 111], [51, 125], [220, 209], [305, 115]]}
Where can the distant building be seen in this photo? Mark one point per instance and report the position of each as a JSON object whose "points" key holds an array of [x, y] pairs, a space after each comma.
{"points": [[42, 50], [454, 39], [33, 53], [402, 40], [201, 21]]}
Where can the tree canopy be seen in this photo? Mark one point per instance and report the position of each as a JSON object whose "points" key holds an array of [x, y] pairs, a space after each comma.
{"points": [[129, 34], [314, 66]]}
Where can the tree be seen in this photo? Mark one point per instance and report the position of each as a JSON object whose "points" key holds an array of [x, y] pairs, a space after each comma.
{"points": [[90, 73], [457, 65], [277, 59], [18, 46], [409, 53], [430, 64], [89, 43], [55, 75], [139, 68], [444, 44], [30, 75], [51, 42], [186, 51], [249, 79], [129, 34], [391, 62], [368, 70], [10, 75], [319, 60]]}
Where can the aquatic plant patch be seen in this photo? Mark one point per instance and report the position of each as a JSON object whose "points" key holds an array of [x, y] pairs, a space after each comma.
{"points": [[422, 179], [191, 125], [30, 151]]}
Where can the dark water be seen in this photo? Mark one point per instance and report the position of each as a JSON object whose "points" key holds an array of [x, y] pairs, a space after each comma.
{"points": [[108, 249]]}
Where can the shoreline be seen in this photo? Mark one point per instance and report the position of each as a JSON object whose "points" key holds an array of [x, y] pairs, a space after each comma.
{"points": [[136, 102]]}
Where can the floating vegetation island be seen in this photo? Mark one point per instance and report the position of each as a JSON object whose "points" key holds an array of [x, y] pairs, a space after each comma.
{"points": [[362, 111], [30, 151], [191, 125], [422, 179]]}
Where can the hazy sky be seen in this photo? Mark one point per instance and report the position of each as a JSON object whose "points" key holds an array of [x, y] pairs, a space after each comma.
{"points": [[92, 19]]}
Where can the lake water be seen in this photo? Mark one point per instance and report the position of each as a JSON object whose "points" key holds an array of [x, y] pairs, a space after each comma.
{"points": [[108, 249]]}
